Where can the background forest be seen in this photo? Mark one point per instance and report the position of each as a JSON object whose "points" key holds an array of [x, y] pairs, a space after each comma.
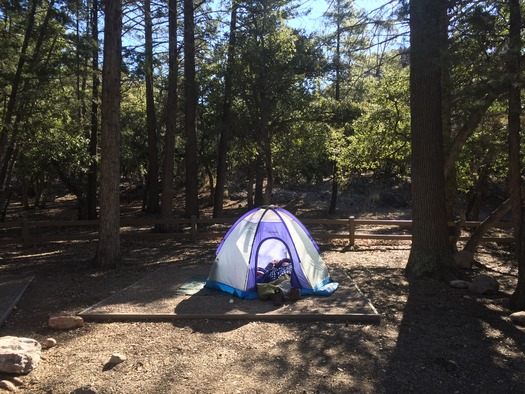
{"points": [[244, 95], [272, 103]]}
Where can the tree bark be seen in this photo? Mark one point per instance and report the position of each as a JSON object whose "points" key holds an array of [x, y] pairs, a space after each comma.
{"points": [[335, 182], [250, 183], [517, 300], [218, 202], [268, 162], [464, 132], [475, 239], [259, 182], [152, 178], [108, 252], [430, 254], [446, 110], [338, 53], [171, 121], [335, 189], [93, 137], [190, 111]]}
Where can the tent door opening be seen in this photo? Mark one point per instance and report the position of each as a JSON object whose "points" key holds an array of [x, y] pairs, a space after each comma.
{"points": [[271, 249]]}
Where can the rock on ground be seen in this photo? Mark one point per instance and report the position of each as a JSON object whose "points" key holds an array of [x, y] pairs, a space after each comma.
{"points": [[18, 355], [518, 318], [484, 284], [459, 284], [117, 358], [49, 343], [65, 322]]}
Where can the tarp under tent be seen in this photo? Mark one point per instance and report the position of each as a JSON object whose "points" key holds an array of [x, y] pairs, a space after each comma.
{"points": [[260, 236]]}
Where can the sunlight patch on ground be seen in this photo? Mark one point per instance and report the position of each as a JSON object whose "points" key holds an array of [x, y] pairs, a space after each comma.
{"points": [[29, 256], [67, 197]]}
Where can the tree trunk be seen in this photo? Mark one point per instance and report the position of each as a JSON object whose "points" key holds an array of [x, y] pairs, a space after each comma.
{"points": [[517, 300], [259, 183], [152, 179], [250, 184], [6, 131], [476, 194], [93, 138], [190, 111], [108, 252], [268, 166], [209, 173], [15, 108], [478, 109], [335, 189], [446, 108], [171, 121], [17, 82], [335, 184], [475, 239], [218, 201], [430, 254]]}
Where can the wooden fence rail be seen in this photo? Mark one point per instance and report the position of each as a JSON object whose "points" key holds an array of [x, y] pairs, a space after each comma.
{"points": [[29, 233]]}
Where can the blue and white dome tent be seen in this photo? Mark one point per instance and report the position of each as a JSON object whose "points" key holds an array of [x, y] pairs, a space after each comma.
{"points": [[260, 236]]}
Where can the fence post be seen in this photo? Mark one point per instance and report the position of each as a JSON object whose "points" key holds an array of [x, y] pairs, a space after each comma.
{"points": [[26, 235], [193, 228], [351, 231]]}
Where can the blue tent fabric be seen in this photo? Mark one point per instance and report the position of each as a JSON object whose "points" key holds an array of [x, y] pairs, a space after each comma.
{"points": [[328, 289]]}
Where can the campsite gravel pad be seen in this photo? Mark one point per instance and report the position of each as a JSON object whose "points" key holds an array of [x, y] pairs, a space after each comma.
{"points": [[172, 293], [12, 288]]}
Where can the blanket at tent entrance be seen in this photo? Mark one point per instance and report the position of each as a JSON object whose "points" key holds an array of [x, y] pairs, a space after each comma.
{"points": [[259, 237]]}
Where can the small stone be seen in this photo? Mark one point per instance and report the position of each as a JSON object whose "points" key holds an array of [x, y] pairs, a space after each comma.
{"points": [[117, 358], [459, 284], [518, 318], [85, 390], [65, 322], [49, 343], [7, 385]]}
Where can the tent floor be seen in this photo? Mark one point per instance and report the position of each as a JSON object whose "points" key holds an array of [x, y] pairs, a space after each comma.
{"points": [[174, 293]]}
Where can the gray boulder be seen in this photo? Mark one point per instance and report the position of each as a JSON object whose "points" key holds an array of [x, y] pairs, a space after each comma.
{"points": [[484, 284], [19, 355]]}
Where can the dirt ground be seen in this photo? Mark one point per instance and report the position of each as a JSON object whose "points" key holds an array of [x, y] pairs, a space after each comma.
{"points": [[431, 339]]}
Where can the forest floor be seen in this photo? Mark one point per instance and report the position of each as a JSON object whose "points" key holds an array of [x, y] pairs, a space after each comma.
{"points": [[432, 338]]}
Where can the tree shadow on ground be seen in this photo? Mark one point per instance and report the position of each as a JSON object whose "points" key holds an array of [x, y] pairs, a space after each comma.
{"points": [[66, 280], [452, 341]]}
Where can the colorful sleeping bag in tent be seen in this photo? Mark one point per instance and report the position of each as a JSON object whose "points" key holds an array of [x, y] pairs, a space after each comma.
{"points": [[260, 236]]}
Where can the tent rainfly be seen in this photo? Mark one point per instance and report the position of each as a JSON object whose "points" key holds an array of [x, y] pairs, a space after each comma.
{"points": [[260, 236]]}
